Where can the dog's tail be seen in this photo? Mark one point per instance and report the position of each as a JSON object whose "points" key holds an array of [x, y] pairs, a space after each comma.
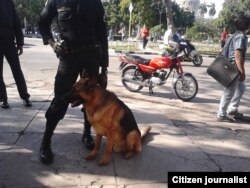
{"points": [[145, 131]]}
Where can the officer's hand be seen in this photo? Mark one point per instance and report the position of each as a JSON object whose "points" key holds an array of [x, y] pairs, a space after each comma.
{"points": [[19, 50], [56, 46], [60, 49], [103, 79]]}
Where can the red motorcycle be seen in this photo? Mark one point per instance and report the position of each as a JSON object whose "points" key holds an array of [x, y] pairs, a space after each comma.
{"points": [[138, 72]]}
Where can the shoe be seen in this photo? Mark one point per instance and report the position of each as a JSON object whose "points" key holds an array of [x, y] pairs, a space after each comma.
{"points": [[5, 105], [236, 114], [88, 141], [27, 103], [46, 155], [225, 119]]}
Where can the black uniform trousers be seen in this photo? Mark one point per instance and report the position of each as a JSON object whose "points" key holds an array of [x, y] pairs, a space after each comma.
{"points": [[9, 51], [69, 69]]}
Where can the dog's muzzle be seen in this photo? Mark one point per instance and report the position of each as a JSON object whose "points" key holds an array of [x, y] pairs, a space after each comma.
{"points": [[72, 98]]}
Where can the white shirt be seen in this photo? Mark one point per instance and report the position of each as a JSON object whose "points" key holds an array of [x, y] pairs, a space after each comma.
{"points": [[167, 36]]}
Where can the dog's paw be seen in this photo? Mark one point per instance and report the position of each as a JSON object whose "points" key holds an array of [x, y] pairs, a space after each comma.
{"points": [[128, 155], [103, 162], [90, 156], [117, 149]]}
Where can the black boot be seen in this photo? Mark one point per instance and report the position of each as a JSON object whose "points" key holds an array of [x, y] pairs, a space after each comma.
{"points": [[5, 105], [46, 155], [86, 137], [88, 141], [27, 103]]}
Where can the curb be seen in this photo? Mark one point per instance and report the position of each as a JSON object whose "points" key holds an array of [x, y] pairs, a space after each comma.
{"points": [[137, 52], [209, 56]]}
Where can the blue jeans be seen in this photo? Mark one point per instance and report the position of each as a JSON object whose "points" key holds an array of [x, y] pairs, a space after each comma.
{"points": [[230, 100]]}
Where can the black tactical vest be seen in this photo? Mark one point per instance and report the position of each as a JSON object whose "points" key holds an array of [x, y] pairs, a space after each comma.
{"points": [[76, 22]]}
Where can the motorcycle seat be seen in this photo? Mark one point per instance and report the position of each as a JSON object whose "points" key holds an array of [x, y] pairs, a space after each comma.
{"points": [[138, 59]]}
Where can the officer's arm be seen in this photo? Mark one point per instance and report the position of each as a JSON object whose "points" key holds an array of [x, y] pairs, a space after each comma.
{"points": [[239, 60], [239, 46], [45, 20], [102, 36], [18, 29], [240, 64]]}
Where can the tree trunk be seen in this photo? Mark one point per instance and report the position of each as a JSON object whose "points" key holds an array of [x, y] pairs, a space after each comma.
{"points": [[168, 6]]}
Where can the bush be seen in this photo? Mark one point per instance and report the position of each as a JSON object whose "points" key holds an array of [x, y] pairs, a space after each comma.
{"points": [[156, 32]]}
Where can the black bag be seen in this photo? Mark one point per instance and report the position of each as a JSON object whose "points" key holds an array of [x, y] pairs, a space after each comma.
{"points": [[223, 71]]}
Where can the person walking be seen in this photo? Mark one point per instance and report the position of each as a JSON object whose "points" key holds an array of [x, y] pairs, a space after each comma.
{"points": [[144, 35], [224, 36], [123, 33], [11, 46], [232, 95], [84, 46]]}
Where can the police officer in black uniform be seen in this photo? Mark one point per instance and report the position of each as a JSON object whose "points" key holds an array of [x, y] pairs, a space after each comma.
{"points": [[11, 45], [84, 46]]}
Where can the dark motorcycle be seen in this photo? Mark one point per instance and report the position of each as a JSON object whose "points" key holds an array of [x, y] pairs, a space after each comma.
{"points": [[191, 54]]}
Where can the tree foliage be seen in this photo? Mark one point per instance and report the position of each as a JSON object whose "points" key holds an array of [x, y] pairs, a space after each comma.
{"points": [[202, 30], [182, 18], [118, 15], [204, 8], [113, 16], [212, 9], [29, 9], [232, 9], [149, 12]]}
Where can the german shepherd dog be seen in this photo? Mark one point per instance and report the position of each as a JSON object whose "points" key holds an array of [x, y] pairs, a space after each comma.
{"points": [[110, 117]]}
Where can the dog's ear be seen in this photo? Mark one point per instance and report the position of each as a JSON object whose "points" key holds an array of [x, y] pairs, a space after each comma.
{"points": [[84, 74], [90, 84]]}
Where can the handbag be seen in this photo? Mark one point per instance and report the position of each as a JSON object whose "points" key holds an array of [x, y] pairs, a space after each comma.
{"points": [[223, 71]]}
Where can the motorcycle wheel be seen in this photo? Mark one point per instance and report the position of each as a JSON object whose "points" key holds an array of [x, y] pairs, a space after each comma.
{"points": [[131, 73], [198, 60], [185, 87]]}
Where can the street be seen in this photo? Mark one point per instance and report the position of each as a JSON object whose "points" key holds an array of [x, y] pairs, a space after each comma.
{"points": [[184, 137]]}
